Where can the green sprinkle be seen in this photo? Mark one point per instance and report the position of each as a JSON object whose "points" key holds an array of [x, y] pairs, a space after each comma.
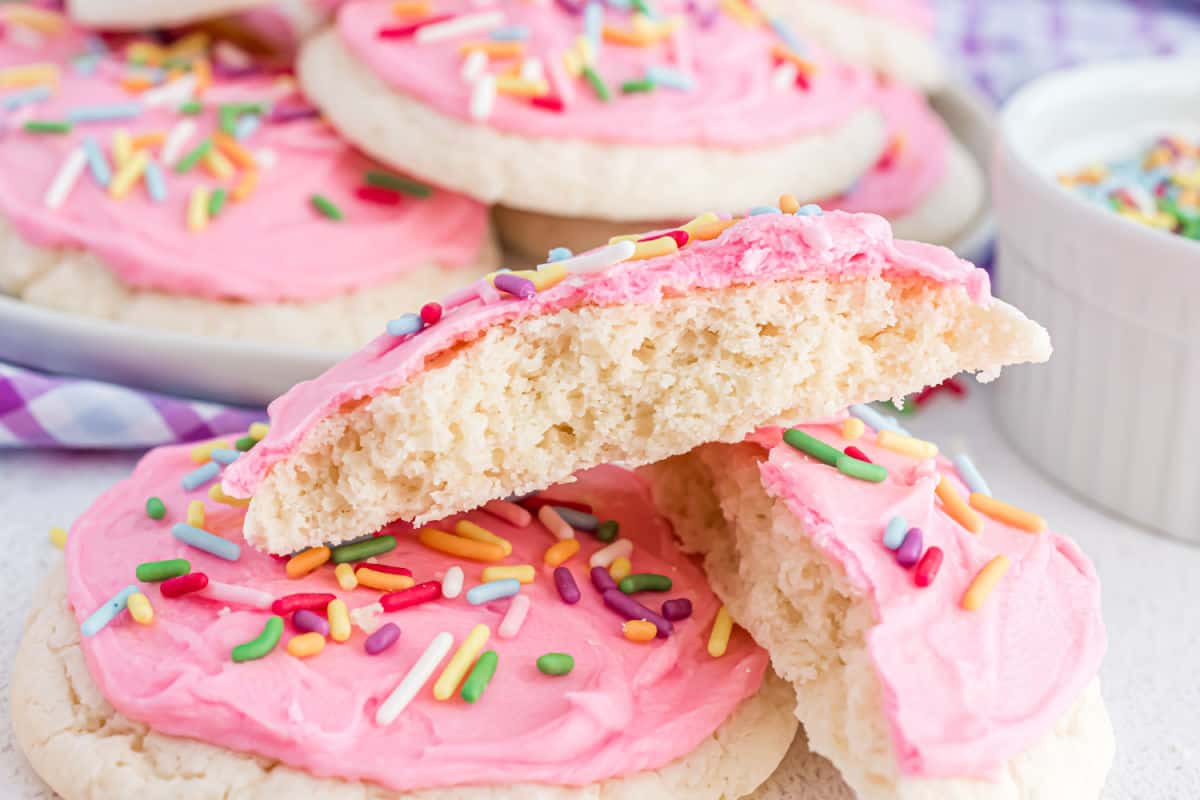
{"points": [[643, 7], [643, 85], [607, 531], [326, 207], [398, 183], [191, 107], [216, 201], [156, 571], [906, 408], [245, 443], [644, 582], [556, 664], [155, 508], [227, 119], [361, 551], [47, 126], [597, 83], [810, 445], [481, 675], [191, 159], [863, 470], [262, 644]]}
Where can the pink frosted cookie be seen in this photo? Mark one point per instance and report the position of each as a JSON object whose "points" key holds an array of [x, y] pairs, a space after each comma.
{"points": [[184, 186], [630, 353], [940, 646], [411, 685], [280, 21], [584, 109]]}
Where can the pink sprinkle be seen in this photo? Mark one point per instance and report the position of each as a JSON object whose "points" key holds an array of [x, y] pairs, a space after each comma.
{"points": [[431, 313], [403, 31], [511, 513], [549, 103], [681, 237], [554, 523], [518, 609], [854, 452]]}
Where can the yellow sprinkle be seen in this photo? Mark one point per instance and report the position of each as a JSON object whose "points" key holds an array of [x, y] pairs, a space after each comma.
{"points": [[383, 581], [620, 568], [583, 46], [741, 12], [524, 573], [28, 75], [572, 63], [128, 175], [122, 147], [953, 505], [984, 582], [460, 662], [711, 230], [477, 533], [58, 537], [346, 578], [146, 53], [1188, 180], [306, 645], [39, 19], [706, 218], [453, 545], [140, 608], [493, 50], [548, 277], [788, 204], [522, 87], [215, 492], [197, 212], [258, 431], [664, 245], [202, 453], [195, 514], [306, 561], [718, 640], [218, 165], [191, 45], [639, 630], [1006, 513], [339, 620], [411, 8], [853, 428], [558, 554], [906, 445]]}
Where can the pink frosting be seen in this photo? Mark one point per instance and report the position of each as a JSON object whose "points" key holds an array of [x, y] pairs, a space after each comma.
{"points": [[733, 103], [963, 691], [759, 249], [913, 164], [271, 247], [625, 708]]}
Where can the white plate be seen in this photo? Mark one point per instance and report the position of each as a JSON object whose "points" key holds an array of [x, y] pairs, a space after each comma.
{"points": [[251, 374], [971, 117]]}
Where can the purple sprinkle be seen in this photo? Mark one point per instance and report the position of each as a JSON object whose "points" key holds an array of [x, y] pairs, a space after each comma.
{"points": [[602, 580], [310, 622], [291, 114], [909, 551], [578, 520], [571, 6], [514, 285], [677, 609], [382, 639], [629, 608], [567, 588]]}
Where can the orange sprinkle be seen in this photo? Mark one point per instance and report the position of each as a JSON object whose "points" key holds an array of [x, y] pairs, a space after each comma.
{"points": [[39, 19], [628, 38], [985, 581], [1006, 513], [788, 204], [956, 507], [150, 139], [805, 66], [558, 554], [203, 72], [497, 50], [639, 630], [411, 8], [245, 186], [711, 230], [306, 561], [135, 83], [234, 151], [453, 545], [383, 581], [740, 11], [477, 533], [522, 87]]}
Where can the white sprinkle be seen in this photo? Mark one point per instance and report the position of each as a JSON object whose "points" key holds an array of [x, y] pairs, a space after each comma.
{"points": [[68, 175], [237, 595], [177, 140], [466, 23], [784, 76], [621, 548], [532, 70], [474, 66], [228, 53], [417, 677], [560, 84], [265, 158], [170, 94], [367, 618], [452, 582], [598, 259], [514, 618], [483, 98]]}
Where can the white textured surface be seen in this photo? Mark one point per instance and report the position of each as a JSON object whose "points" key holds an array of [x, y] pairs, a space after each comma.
{"points": [[1149, 676]]}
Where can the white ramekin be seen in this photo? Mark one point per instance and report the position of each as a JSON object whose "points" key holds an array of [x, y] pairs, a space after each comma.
{"points": [[1115, 415]]}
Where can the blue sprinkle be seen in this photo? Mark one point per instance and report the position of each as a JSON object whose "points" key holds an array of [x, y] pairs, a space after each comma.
{"points": [[203, 540], [223, 455], [789, 37], [760, 210], [156, 182], [876, 420], [86, 65], [579, 520], [107, 612], [810, 210], [405, 325], [200, 475], [96, 46], [559, 254], [670, 77], [101, 171], [25, 97], [593, 25], [104, 112], [493, 590], [246, 126], [970, 475], [510, 33], [893, 535]]}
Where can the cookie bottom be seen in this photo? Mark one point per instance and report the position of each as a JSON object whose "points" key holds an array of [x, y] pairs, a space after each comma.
{"points": [[83, 748]]}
